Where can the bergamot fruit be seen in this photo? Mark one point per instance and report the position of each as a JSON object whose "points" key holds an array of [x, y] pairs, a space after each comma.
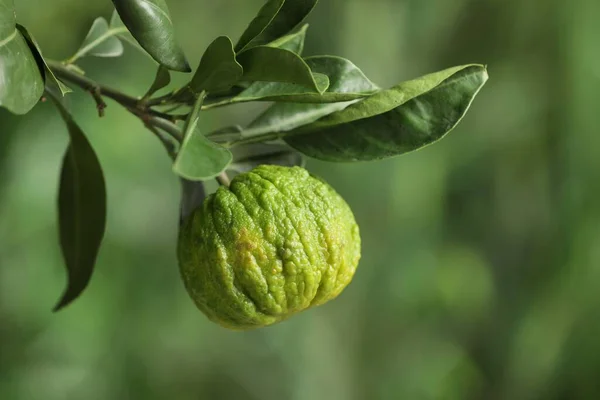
{"points": [[276, 242]]}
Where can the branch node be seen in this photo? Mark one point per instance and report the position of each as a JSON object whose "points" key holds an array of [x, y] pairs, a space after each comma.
{"points": [[100, 104]]}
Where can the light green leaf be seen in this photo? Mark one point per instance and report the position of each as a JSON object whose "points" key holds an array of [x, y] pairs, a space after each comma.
{"points": [[101, 41], [81, 210], [283, 117], [199, 158], [275, 19], [21, 80], [346, 82], [150, 24], [395, 121], [218, 70], [52, 82], [270, 64], [275, 91]]}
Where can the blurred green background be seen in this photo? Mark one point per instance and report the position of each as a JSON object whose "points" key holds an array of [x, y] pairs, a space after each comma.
{"points": [[481, 257]]}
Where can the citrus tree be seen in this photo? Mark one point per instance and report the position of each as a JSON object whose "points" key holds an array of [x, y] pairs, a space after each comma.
{"points": [[274, 240]]}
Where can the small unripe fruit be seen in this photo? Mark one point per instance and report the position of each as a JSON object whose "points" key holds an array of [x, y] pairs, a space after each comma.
{"points": [[274, 243]]}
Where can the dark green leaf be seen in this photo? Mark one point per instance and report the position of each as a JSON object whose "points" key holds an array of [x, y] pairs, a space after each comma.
{"points": [[218, 69], [81, 210], [250, 156], [395, 121], [117, 23], [199, 158], [293, 42], [21, 80], [259, 23], [346, 82], [150, 24], [52, 82], [270, 64], [274, 20], [101, 41], [161, 80]]}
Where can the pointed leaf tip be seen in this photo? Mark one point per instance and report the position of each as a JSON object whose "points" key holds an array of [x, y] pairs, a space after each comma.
{"points": [[404, 118], [149, 22]]}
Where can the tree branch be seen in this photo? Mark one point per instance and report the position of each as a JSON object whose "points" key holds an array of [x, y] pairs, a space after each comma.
{"points": [[89, 85]]}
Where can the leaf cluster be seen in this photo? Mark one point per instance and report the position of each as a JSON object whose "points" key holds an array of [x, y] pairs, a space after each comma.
{"points": [[323, 107]]}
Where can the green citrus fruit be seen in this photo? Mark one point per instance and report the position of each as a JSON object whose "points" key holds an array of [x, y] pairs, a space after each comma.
{"points": [[274, 243]]}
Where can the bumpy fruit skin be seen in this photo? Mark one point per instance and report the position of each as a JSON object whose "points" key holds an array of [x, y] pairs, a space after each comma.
{"points": [[274, 243]]}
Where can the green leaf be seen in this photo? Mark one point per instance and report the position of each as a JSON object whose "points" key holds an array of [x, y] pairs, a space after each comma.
{"points": [[199, 158], [81, 210], [218, 70], [52, 82], [293, 42], [101, 41], [150, 24], [264, 17], [275, 91], [161, 80], [21, 80], [346, 82], [250, 156], [283, 117], [226, 134], [395, 121], [117, 23], [270, 64], [275, 19]]}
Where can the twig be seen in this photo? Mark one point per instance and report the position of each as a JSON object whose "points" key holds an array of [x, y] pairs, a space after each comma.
{"points": [[167, 126], [98, 90], [151, 118], [159, 101], [168, 145], [89, 85], [100, 104]]}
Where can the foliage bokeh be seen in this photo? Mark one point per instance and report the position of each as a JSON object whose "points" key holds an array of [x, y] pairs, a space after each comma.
{"points": [[480, 264]]}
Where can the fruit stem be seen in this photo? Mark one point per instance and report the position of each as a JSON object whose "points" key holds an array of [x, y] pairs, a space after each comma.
{"points": [[223, 179]]}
